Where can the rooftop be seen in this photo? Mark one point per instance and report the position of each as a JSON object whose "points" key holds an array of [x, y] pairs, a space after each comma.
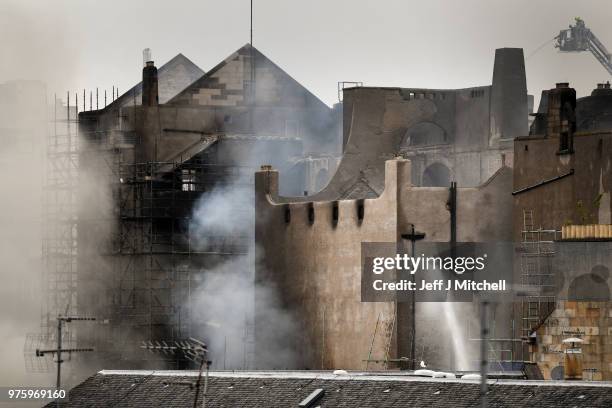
{"points": [[288, 388]]}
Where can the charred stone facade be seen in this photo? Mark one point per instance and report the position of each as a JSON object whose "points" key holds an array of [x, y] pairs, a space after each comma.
{"points": [[561, 178], [314, 258], [154, 157], [448, 135]]}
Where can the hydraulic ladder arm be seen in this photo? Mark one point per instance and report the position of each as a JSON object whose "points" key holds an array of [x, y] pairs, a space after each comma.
{"points": [[579, 38]]}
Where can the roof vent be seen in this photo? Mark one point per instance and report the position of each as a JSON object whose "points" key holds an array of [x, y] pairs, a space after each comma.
{"points": [[563, 85], [312, 398]]}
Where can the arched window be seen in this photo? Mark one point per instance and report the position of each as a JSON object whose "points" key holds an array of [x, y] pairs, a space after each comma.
{"points": [[436, 175], [423, 134], [591, 286]]}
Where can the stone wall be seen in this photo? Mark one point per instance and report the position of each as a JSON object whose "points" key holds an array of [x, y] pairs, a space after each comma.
{"points": [[591, 321], [315, 261]]}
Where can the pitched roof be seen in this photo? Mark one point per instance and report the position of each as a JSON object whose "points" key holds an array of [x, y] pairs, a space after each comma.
{"points": [[208, 79], [174, 76], [287, 389]]}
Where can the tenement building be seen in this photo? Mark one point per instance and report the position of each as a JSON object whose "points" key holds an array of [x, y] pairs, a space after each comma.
{"points": [[562, 216]]}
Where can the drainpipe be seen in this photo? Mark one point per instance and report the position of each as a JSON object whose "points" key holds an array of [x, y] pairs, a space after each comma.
{"points": [[452, 208]]}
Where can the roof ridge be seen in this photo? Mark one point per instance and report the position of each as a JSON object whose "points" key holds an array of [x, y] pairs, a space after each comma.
{"points": [[353, 376]]}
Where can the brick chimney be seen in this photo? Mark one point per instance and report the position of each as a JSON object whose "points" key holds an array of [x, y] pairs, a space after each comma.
{"points": [[150, 95], [562, 116]]}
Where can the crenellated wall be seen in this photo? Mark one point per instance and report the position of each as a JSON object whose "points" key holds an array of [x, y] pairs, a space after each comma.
{"points": [[315, 261]]}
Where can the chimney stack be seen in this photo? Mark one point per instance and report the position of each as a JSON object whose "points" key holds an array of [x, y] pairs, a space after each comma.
{"points": [[562, 116], [150, 95], [509, 112], [603, 89]]}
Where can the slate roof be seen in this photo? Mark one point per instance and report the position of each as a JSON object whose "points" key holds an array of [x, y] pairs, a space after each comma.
{"points": [[287, 389], [206, 80]]}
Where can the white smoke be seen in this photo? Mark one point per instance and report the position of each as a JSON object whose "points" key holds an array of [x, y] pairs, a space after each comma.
{"points": [[223, 212], [224, 304]]}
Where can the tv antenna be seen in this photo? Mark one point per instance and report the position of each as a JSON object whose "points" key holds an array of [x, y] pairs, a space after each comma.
{"points": [[59, 350], [193, 350]]}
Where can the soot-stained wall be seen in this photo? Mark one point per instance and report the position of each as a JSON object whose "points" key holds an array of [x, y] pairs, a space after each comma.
{"points": [[316, 262], [462, 135]]}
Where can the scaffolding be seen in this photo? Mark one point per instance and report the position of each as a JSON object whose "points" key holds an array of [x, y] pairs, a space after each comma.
{"points": [[156, 256], [537, 300], [537, 277], [118, 239], [152, 259], [59, 238]]}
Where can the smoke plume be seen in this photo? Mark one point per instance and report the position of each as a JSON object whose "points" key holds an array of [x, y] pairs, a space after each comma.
{"points": [[224, 304]]}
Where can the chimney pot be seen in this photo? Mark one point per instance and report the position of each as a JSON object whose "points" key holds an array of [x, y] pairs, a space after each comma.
{"points": [[146, 55]]}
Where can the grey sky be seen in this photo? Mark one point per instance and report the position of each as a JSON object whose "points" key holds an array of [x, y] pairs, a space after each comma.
{"points": [[73, 44]]}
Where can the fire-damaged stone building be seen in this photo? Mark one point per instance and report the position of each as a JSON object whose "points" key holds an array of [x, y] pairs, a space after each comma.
{"points": [[456, 165], [462, 135], [311, 250], [553, 203], [403, 147], [150, 158]]}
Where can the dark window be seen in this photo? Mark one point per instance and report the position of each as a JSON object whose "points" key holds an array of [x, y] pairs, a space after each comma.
{"points": [[287, 214], [335, 213], [311, 213], [477, 93], [360, 210], [564, 142]]}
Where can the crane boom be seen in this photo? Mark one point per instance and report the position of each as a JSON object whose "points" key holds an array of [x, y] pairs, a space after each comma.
{"points": [[579, 38]]}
